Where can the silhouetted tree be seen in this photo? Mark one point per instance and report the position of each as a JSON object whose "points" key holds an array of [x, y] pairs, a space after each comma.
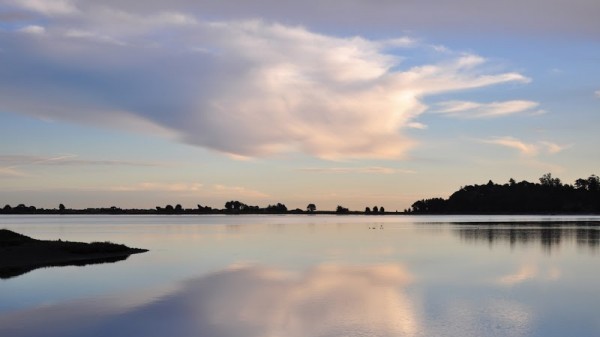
{"points": [[547, 180], [341, 209], [367, 210], [581, 184], [61, 207], [204, 209], [178, 208], [549, 196], [279, 208], [381, 209], [240, 207], [375, 209], [311, 208], [232, 205], [593, 183]]}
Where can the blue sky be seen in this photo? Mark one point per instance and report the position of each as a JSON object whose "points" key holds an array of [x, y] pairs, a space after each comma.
{"points": [[356, 103]]}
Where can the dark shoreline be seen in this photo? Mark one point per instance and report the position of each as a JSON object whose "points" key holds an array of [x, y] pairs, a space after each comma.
{"points": [[20, 254], [151, 212]]}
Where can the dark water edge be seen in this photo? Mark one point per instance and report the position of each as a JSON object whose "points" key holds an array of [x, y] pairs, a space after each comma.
{"points": [[14, 271], [20, 254]]}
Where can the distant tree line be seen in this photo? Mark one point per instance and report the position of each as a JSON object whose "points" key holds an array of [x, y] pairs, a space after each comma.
{"points": [[230, 207], [550, 195]]}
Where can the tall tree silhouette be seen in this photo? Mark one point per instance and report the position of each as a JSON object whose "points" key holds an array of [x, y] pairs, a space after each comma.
{"points": [[550, 195]]}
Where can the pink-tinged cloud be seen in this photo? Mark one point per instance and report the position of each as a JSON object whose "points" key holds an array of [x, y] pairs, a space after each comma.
{"points": [[11, 172], [247, 88], [466, 109], [65, 160], [191, 188], [527, 149], [361, 170]]}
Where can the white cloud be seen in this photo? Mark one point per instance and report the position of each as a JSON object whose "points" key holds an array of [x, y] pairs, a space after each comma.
{"points": [[466, 109], [64, 160], [33, 29], [191, 188], [245, 88], [237, 192], [368, 170], [527, 149], [47, 7], [11, 172], [115, 22], [82, 34], [416, 125], [552, 148], [159, 187], [524, 148]]}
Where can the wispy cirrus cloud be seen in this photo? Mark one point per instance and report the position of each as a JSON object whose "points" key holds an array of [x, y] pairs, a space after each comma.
{"points": [[191, 188], [467, 109], [65, 160], [527, 149], [49, 8], [365, 170], [416, 125], [247, 88], [238, 191], [10, 172], [33, 29], [159, 187]]}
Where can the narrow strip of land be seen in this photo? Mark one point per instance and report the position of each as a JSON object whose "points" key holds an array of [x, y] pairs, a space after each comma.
{"points": [[20, 254]]}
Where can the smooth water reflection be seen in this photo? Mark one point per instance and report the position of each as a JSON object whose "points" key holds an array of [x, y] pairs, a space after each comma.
{"points": [[332, 276], [586, 235], [249, 301]]}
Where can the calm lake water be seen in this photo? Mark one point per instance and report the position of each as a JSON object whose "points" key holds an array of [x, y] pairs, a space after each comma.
{"points": [[303, 276]]}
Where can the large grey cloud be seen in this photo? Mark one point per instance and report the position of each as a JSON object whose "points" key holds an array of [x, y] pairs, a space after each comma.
{"points": [[541, 17], [244, 87]]}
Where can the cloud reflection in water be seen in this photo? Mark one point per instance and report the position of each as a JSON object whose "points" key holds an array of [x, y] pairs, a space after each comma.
{"points": [[327, 300]]}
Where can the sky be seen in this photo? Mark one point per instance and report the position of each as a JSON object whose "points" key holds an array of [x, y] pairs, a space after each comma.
{"points": [[355, 103]]}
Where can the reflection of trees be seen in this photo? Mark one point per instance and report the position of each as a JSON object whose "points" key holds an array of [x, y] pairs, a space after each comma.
{"points": [[549, 236], [587, 237]]}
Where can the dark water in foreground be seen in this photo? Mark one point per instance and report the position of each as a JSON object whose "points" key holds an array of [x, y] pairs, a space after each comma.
{"points": [[308, 276]]}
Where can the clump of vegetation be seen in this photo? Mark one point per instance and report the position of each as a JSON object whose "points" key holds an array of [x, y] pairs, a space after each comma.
{"points": [[341, 209], [550, 195]]}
